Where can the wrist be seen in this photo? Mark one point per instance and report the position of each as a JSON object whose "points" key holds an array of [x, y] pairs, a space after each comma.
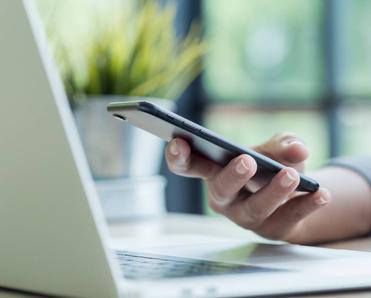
{"points": [[298, 234], [349, 212]]}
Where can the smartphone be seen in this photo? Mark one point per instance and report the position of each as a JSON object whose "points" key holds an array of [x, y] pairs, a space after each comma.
{"points": [[168, 125]]}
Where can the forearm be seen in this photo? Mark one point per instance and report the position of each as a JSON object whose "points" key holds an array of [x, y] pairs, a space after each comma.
{"points": [[348, 214]]}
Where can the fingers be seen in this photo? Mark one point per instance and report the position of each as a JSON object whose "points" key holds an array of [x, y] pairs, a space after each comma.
{"points": [[251, 212], [286, 148], [226, 185], [263, 203], [182, 162], [282, 223]]}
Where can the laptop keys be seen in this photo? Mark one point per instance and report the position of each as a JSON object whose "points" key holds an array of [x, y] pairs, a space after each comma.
{"points": [[149, 266]]}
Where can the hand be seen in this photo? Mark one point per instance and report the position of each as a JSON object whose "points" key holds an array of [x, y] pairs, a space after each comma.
{"points": [[274, 211]]}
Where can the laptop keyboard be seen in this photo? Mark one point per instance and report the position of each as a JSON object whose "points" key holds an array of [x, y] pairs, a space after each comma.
{"points": [[149, 266]]}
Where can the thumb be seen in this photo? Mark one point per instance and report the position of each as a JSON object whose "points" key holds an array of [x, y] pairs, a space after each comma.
{"points": [[285, 148]]}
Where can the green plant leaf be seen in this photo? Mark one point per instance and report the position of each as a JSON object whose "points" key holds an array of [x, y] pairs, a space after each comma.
{"points": [[133, 49]]}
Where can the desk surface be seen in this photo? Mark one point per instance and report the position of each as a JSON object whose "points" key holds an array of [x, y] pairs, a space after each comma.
{"points": [[209, 226]]}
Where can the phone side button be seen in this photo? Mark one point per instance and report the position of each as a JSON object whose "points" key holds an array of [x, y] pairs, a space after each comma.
{"points": [[201, 132], [169, 117], [172, 120], [207, 133], [189, 128]]}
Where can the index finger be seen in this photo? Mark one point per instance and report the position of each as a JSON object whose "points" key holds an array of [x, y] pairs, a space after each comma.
{"points": [[182, 161], [286, 148]]}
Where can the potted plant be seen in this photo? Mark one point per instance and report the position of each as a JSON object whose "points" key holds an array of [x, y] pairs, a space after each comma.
{"points": [[133, 50]]}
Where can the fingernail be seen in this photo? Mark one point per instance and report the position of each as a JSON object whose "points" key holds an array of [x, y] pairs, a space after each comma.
{"points": [[287, 180], [292, 142], [174, 148], [241, 167], [321, 201]]}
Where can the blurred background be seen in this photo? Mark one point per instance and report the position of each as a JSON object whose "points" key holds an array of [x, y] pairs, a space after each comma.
{"points": [[245, 69]]}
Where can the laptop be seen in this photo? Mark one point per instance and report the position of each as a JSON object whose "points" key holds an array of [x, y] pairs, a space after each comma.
{"points": [[54, 239]]}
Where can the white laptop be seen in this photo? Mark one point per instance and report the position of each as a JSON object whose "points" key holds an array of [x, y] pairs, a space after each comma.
{"points": [[53, 237]]}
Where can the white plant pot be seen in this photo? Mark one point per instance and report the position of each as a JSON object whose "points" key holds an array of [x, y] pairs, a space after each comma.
{"points": [[125, 161], [115, 149]]}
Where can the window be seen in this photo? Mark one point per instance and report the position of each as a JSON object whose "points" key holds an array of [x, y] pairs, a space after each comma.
{"points": [[291, 65], [354, 76], [247, 127], [264, 52], [354, 49], [266, 57]]}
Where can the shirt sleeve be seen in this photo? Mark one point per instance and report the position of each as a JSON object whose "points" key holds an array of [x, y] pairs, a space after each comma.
{"points": [[359, 164]]}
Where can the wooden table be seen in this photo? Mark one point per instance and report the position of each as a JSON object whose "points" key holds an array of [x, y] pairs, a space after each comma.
{"points": [[208, 226]]}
